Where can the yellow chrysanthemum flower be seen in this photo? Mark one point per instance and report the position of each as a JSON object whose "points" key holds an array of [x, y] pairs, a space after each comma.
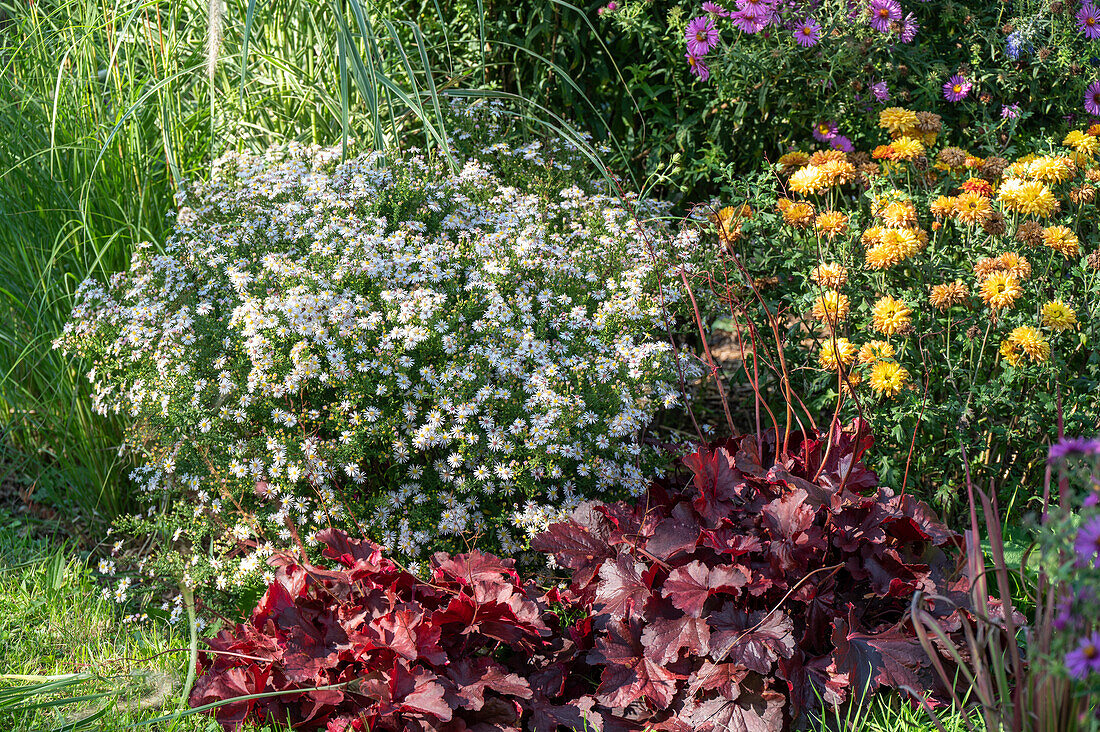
{"points": [[809, 179], [1062, 239], [1000, 290], [1058, 316], [1015, 265], [1028, 197], [831, 223], [832, 276], [793, 159], [888, 378], [897, 120], [833, 354], [899, 214], [1010, 353], [800, 215], [831, 307], [1082, 142], [973, 209], [838, 172], [1050, 169], [873, 236], [948, 295], [875, 351], [943, 207], [890, 316], [907, 148], [1030, 340]]}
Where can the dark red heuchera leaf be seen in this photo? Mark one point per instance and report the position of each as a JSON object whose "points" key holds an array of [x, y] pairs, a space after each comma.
{"points": [[737, 596]]}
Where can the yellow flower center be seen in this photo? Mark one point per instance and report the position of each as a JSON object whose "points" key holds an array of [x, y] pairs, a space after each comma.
{"points": [[884, 12], [1090, 651], [701, 35], [957, 88]]}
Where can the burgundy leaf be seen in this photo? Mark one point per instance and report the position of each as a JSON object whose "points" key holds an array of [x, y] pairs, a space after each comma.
{"points": [[664, 637], [753, 641], [725, 678], [760, 712], [623, 589], [628, 674], [688, 587]]}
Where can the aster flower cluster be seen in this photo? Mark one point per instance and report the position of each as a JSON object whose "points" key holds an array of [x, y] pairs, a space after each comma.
{"points": [[917, 263], [793, 20], [1070, 542], [437, 356]]}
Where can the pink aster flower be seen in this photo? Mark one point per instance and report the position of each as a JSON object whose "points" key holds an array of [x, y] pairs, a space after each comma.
{"points": [[747, 23], [1085, 659], [1010, 111], [957, 88], [807, 33], [698, 66], [883, 13], [1087, 544], [701, 36], [1088, 20], [709, 7], [825, 131], [1092, 98], [909, 28], [761, 10]]}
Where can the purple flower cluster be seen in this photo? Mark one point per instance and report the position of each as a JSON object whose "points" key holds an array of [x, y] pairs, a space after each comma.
{"points": [[1073, 445], [753, 16], [830, 133]]}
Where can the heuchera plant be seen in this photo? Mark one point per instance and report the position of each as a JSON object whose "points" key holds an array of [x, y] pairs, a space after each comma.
{"points": [[404, 654], [738, 600], [734, 599]]}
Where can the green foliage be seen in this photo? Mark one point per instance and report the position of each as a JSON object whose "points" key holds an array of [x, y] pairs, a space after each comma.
{"points": [[68, 656]]}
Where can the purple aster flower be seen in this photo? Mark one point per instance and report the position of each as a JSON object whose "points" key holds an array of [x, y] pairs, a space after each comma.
{"points": [[1087, 544], [709, 7], [909, 28], [1092, 98], [748, 23], [1091, 500], [761, 10], [698, 66], [807, 33], [957, 88], [1074, 445], [1010, 111], [825, 131], [842, 143], [1088, 20], [883, 13], [701, 36], [881, 91], [1085, 659]]}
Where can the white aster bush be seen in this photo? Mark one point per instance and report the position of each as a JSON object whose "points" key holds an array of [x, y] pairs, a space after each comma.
{"points": [[436, 359]]}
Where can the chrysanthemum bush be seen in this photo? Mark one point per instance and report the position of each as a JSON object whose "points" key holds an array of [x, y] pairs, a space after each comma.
{"points": [[949, 299], [435, 358]]}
